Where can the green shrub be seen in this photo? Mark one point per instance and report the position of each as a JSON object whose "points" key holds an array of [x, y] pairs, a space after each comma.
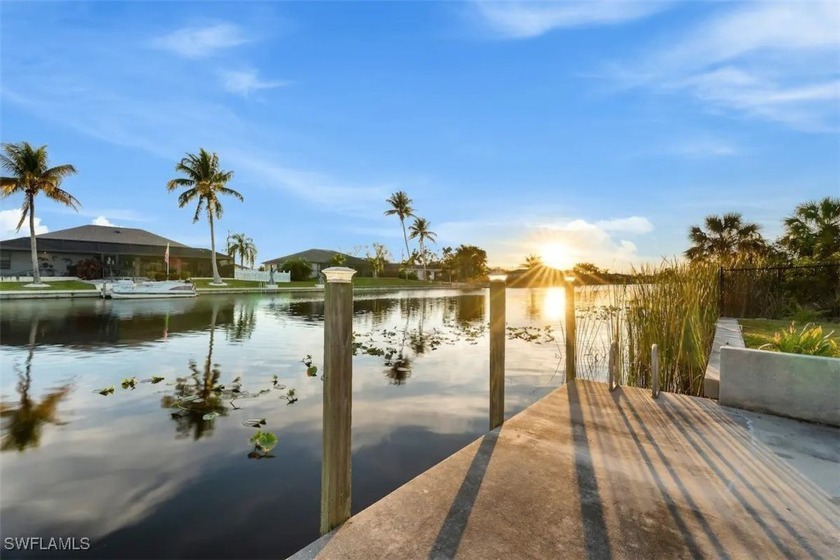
{"points": [[89, 269], [810, 340], [184, 275]]}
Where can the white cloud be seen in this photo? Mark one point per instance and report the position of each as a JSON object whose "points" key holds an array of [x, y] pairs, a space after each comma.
{"points": [[508, 241], [102, 221], [200, 42], [520, 19], [244, 82], [9, 220], [772, 61]]}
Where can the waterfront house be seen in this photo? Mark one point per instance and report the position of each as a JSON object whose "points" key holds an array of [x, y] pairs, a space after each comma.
{"points": [[118, 251]]}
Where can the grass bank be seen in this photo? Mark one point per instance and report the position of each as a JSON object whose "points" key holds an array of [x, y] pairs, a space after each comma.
{"points": [[58, 285], [758, 332]]}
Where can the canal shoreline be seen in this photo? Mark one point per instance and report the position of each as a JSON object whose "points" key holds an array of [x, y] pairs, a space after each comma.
{"points": [[76, 294]]}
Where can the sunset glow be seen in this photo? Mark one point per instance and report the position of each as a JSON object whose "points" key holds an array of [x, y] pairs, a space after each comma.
{"points": [[556, 256]]}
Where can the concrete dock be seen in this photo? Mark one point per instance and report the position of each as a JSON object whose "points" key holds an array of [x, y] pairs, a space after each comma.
{"points": [[586, 473]]}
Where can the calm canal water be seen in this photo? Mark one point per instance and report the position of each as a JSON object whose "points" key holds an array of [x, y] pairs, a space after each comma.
{"points": [[141, 472]]}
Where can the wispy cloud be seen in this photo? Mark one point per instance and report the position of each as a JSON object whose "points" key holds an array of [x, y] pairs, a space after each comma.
{"points": [[633, 224], [199, 42], [517, 19], [773, 61], [8, 224], [244, 82]]}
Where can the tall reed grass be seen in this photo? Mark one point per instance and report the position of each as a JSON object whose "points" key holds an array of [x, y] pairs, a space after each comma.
{"points": [[676, 308]]}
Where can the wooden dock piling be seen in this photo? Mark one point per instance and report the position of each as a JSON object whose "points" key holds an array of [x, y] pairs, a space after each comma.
{"points": [[338, 388]]}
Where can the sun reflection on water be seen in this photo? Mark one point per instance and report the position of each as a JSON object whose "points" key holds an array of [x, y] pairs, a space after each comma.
{"points": [[554, 304]]}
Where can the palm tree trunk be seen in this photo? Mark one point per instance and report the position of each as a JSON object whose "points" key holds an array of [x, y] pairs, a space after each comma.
{"points": [[216, 278], [36, 274], [423, 253], [405, 237]]}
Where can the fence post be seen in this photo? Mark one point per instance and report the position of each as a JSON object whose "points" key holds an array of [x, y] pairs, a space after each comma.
{"points": [[338, 390], [613, 366], [654, 370], [570, 329], [497, 349]]}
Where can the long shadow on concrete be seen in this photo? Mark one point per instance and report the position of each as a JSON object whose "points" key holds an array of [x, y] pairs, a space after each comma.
{"points": [[452, 530], [595, 531]]}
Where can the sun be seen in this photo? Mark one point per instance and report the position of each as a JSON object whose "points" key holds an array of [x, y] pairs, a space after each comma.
{"points": [[556, 256]]}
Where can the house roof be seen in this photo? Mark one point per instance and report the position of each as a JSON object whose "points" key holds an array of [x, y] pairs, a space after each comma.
{"points": [[107, 239], [111, 234], [319, 256]]}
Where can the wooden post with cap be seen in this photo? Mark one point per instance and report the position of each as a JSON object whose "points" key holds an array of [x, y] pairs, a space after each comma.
{"points": [[338, 393]]}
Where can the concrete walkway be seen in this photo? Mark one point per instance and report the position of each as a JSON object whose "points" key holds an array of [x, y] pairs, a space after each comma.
{"points": [[586, 473], [727, 333]]}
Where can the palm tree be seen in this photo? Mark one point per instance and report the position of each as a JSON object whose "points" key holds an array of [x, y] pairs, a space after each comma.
{"points": [[204, 181], [532, 261], [401, 206], [420, 230], [814, 229], [31, 175], [724, 238], [243, 247]]}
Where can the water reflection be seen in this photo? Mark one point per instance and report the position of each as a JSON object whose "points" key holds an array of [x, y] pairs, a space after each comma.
{"points": [[120, 473], [23, 421]]}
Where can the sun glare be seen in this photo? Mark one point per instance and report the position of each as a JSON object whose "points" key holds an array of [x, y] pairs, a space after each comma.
{"points": [[556, 256]]}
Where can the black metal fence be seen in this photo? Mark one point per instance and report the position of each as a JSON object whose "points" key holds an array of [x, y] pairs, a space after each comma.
{"points": [[780, 291]]}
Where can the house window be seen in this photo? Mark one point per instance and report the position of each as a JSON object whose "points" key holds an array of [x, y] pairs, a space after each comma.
{"points": [[5, 260]]}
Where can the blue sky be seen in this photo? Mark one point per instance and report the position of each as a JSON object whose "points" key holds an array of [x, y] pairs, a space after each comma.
{"points": [[606, 128]]}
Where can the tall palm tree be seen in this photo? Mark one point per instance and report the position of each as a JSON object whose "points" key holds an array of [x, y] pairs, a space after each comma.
{"points": [[401, 206], [814, 229], [420, 230], [31, 175], [204, 181], [238, 244], [724, 238]]}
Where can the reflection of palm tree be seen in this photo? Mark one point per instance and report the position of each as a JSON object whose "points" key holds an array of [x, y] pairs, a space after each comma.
{"points": [[399, 369], [244, 323], [190, 415], [23, 423]]}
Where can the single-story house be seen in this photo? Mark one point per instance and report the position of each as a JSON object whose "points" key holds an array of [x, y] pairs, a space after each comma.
{"points": [[120, 251], [320, 259]]}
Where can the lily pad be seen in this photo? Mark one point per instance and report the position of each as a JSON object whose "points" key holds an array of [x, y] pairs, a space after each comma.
{"points": [[156, 379], [254, 422], [210, 416], [107, 390], [312, 371], [129, 383], [266, 441]]}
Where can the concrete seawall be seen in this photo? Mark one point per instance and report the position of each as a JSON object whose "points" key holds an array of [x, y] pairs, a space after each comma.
{"points": [[792, 385]]}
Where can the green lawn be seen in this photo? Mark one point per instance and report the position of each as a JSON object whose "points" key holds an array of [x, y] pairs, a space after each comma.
{"points": [[760, 331], [60, 285]]}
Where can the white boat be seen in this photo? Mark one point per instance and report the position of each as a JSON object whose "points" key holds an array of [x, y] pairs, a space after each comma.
{"points": [[129, 289]]}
